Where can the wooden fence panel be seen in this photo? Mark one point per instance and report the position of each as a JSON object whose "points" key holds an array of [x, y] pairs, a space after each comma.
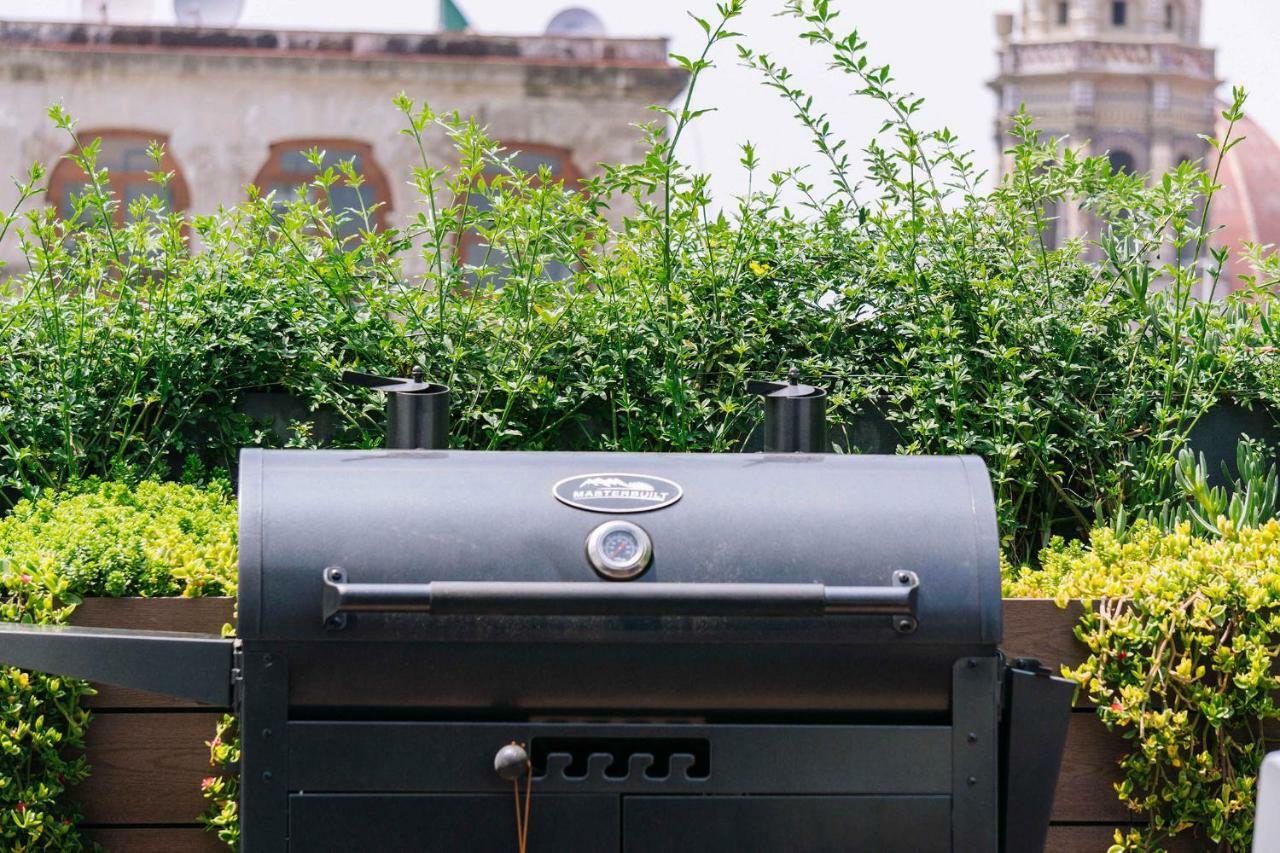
{"points": [[148, 753], [156, 840], [1038, 628], [1085, 792], [146, 767]]}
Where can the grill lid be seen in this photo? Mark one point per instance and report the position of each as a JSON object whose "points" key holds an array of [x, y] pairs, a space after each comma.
{"points": [[579, 546]]}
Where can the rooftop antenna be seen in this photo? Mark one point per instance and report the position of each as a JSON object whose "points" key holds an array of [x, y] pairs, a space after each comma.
{"points": [[117, 11], [208, 13]]}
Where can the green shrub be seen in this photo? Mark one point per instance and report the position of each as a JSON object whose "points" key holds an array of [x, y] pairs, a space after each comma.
{"points": [[124, 353], [116, 540], [625, 313], [42, 729], [102, 539], [1183, 645]]}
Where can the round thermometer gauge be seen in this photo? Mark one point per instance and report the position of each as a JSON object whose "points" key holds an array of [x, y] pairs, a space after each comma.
{"points": [[619, 550]]}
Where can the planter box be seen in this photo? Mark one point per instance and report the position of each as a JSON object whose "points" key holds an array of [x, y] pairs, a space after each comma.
{"points": [[148, 753], [1217, 433]]}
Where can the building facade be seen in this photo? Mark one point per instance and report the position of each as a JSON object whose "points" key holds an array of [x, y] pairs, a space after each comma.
{"points": [[236, 106], [1125, 78]]}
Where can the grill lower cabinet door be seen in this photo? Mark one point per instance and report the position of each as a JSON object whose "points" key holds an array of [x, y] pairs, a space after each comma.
{"points": [[589, 823], [450, 823], [786, 824]]}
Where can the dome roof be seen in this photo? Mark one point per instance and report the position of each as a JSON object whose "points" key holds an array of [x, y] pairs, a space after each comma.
{"points": [[1247, 209]]}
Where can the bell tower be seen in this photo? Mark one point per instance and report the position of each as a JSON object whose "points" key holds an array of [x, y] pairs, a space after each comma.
{"points": [[1128, 78]]}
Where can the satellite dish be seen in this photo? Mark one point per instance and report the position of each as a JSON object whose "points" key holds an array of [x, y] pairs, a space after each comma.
{"points": [[208, 13], [117, 11], [576, 21]]}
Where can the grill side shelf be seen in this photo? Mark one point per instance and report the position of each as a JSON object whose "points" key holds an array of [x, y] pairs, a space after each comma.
{"points": [[509, 598], [189, 666]]}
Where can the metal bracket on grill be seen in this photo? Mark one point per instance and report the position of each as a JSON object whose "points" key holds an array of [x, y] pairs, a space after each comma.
{"points": [[516, 598]]}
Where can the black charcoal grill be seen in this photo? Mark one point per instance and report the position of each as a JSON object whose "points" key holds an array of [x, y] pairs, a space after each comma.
{"points": [[612, 653]]}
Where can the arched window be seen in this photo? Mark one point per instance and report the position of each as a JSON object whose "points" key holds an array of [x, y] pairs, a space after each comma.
{"points": [[1119, 13], [530, 158], [1064, 13], [1122, 162], [288, 170], [123, 153]]}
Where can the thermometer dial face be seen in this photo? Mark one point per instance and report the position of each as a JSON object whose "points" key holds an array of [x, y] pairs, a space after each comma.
{"points": [[619, 550], [620, 545]]}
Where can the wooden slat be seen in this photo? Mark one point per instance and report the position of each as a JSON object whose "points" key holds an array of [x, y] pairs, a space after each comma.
{"points": [[1038, 628], [112, 698], [201, 615], [1089, 769], [159, 840], [146, 768], [1096, 839], [198, 615], [1078, 839]]}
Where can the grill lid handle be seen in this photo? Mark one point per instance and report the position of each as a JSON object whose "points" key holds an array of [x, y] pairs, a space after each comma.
{"points": [[524, 598]]}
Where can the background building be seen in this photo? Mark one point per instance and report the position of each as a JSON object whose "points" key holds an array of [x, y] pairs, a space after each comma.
{"points": [[235, 106], [1131, 79]]}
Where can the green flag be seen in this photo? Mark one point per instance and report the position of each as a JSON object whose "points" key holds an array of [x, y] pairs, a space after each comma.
{"points": [[451, 18]]}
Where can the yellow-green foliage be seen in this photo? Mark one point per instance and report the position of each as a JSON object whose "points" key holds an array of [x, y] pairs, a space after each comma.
{"points": [[223, 788], [114, 539], [98, 539], [1183, 641]]}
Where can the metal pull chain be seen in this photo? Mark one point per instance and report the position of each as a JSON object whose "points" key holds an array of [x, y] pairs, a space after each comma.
{"points": [[512, 763]]}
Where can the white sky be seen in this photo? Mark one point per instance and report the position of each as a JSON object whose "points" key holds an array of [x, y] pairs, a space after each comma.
{"points": [[942, 49]]}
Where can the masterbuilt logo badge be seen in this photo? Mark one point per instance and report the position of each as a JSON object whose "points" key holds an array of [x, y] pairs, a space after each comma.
{"points": [[617, 492]]}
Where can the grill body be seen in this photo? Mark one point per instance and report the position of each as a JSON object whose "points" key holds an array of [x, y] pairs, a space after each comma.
{"points": [[703, 653]]}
